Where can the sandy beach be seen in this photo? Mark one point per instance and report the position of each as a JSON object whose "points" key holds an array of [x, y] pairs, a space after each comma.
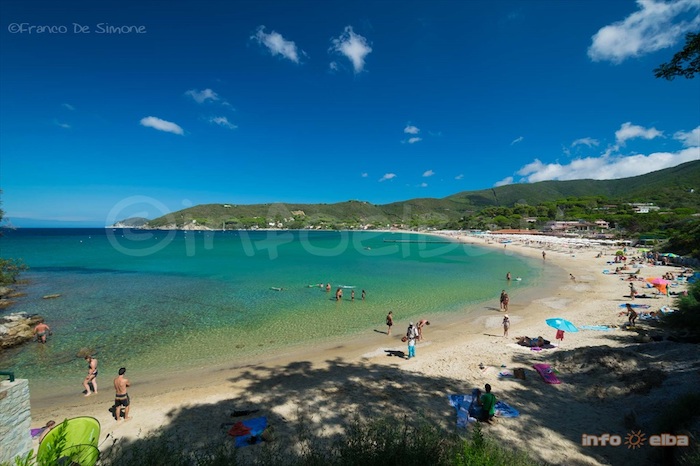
{"points": [[611, 383]]}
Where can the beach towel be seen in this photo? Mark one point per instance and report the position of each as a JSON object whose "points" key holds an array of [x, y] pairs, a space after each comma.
{"points": [[603, 328], [638, 306], [560, 335], [545, 370], [462, 402], [506, 373], [248, 432]]}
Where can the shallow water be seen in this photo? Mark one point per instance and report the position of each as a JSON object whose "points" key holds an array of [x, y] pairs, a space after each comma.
{"points": [[158, 300]]}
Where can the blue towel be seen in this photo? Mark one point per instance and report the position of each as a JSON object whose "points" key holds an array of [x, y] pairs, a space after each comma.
{"points": [[462, 402], [603, 328], [256, 425]]}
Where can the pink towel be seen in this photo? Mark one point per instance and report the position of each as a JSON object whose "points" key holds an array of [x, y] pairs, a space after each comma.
{"points": [[560, 335]]}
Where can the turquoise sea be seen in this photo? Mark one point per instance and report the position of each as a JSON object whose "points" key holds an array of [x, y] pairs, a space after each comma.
{"points": [[162, 300]]}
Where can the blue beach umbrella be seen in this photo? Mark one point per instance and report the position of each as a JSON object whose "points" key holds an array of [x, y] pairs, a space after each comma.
{"points": [[561, 324]]}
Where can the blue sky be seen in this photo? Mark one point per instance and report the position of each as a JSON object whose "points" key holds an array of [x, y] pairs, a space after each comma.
{"points": [[113, 109]]}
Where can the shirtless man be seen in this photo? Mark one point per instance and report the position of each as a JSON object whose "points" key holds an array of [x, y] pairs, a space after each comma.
{"points": [[41, 331], [121, 397], [91, 378]]}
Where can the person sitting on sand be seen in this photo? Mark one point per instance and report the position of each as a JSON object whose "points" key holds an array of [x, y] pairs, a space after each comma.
{"points": [[488, 405], [475, 409]]}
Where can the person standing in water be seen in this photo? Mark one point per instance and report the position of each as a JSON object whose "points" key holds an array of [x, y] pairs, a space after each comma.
{"points": [[508, 276], [389, 322], [363, 295]]}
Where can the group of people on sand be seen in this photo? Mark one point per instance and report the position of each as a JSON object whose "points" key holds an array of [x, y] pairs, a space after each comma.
{"points": [[121, 398], [414, 333]]}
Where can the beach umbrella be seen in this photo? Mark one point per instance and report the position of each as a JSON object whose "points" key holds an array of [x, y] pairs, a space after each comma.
{"points": [[561, 324], [669, 254], [657, 281], [619, 253]]}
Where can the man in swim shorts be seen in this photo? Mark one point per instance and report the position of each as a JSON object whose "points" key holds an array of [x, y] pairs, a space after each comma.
{"points": [[121, 397], [91, 378], [42, 331]]}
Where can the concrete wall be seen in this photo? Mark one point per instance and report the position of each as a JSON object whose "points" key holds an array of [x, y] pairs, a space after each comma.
{"points": [[15, 419]]}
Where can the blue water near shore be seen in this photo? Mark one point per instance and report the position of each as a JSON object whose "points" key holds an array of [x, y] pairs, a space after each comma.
{"points": [[161, 300]]}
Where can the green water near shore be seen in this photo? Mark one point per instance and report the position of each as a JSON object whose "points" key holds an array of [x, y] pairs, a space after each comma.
{"points": [[158, 301]]}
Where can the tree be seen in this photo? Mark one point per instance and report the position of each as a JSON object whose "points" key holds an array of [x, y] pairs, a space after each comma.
{"points": [[690, 56]]}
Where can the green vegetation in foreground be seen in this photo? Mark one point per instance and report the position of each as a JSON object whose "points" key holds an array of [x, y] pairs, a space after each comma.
{"points": [[381, 442], [686, 319]]}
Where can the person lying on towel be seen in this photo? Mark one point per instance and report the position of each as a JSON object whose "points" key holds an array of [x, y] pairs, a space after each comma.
{"points": [[532, 342]]}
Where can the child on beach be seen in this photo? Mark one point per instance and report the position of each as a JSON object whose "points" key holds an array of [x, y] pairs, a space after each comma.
{"points": [[506, 325]]}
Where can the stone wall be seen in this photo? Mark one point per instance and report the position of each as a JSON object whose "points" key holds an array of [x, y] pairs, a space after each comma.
{"points": [[15, 419]]}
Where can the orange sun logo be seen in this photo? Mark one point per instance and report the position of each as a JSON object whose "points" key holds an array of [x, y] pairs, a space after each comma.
{"points": [[635, 439]]}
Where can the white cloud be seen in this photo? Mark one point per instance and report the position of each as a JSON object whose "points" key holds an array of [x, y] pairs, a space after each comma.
{"points": [[689, 139], [202, 96], [365, 175], [353, 46], [387, 176], [428, 173], [655, 26], [629, 131], [517, 140], [590, 142], [222, 121], [68, 106], [423, 185], [333, 66], [161, 125], [409, 129], [414, 140], [277, 44], [61, 125], [607, 167], [459, 177], [504, 181]]}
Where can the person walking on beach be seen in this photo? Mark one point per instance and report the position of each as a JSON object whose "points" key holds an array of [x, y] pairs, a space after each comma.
{"points": [[422, 323], [42, 331], [506, 300], [502, 298], [91, 378], [122, 402], [631, 314], [633, 291], [506, 325], [389, 322], [544, 255], [411, 337]]}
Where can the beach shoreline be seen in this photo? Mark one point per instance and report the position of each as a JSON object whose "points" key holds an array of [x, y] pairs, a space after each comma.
{"points": [[316, 378]]}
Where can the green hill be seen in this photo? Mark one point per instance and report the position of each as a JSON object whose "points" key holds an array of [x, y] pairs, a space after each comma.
{"points": [[671, 188]]}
